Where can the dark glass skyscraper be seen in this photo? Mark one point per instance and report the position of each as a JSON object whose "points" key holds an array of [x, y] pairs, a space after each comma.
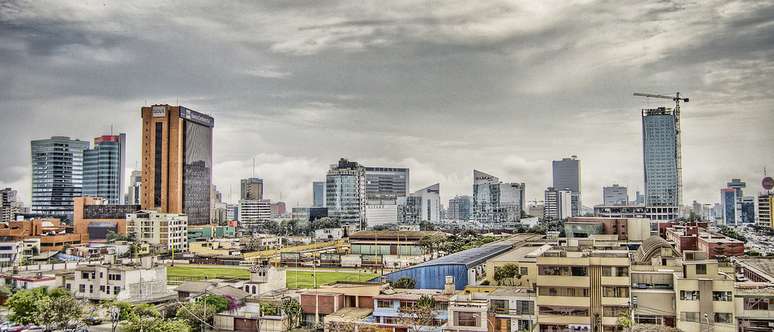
{"points": [[57, 175], [103, 168], [177, 161], [567, 176]]}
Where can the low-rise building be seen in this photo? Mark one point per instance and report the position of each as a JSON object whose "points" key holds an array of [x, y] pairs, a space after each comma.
{"points": [[328, 234], [97, 219], [139, 282], [30, 281], [627, 229], [265, 279], [51, 233], [11, 252]]}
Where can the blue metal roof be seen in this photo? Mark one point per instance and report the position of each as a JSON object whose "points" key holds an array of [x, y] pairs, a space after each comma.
{"points": [[470, 257]]}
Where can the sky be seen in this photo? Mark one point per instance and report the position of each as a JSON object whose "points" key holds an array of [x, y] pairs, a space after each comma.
{"points": [[441, 87]]}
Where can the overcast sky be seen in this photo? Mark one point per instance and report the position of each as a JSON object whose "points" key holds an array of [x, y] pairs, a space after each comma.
{"points": [[442, 87]]}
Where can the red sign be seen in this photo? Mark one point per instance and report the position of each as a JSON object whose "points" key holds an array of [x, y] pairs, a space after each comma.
{"points": [[767, 183]]}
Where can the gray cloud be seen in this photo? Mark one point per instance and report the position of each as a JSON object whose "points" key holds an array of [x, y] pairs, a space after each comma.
{"points": [[442, 87]]}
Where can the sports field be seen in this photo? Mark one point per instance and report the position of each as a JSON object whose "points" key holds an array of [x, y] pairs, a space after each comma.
{"points": [[295, 279]]}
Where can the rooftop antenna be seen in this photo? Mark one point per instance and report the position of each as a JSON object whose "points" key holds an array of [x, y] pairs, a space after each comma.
{"points": [[111, 129], [253, 175]]}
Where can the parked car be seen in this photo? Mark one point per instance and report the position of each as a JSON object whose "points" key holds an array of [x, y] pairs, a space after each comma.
{"points": [[11, 327], [92, 320]]}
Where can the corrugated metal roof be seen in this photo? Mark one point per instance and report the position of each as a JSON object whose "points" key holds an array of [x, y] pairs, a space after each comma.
{"points": [[470, 257]]}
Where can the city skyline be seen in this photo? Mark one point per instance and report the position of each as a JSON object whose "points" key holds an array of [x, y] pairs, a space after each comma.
{"points": [[442, 103]]}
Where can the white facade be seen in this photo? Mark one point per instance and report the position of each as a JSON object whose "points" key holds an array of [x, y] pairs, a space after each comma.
{"points": [[265, 279], [168, 231], [11, 253], [381, 214], [327, 234], [120, 282], [557, 204], [253, 212]]}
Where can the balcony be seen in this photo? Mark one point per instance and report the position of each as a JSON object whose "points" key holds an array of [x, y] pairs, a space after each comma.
{"points": [[564, 300], [563, 281]]}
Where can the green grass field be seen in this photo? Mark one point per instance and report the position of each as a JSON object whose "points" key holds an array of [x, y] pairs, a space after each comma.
{"points": [[295, 279]]}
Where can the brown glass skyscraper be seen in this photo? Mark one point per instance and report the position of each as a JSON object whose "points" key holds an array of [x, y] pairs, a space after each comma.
{"points": [[177, 161]]}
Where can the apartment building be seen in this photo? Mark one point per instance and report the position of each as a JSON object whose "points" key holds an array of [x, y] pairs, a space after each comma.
{"points": [[704, 294], [390, 307], [168, 232], [582, 290]]}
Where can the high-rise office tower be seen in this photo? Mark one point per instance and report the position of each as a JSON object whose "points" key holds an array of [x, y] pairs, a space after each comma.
{"points": [[251, 189], [557, 203], [57, 175], [345, 188], [496, 204], [423, 205], [738, 185], [459, 208], [615, 195], [9, 204], [566, 175], [318, 193], [730, 208], [177, 161], [662, 161], [134, 190], [384, 185], [103, 168]]}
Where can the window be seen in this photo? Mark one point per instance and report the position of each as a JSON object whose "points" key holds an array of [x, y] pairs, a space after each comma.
{"points": [[466, 319], [525, 307], [689, 316], [84, 275], [608, 291], [82, 288], [564, 291], [500, 306], [383, 304], [722, 296], [723, 317], [116, 290], [91, 288], [752, 303], [689, 295], [578, 271], [614, 311], [563, 311], [615, 271], [701, 268], [523, 271]]}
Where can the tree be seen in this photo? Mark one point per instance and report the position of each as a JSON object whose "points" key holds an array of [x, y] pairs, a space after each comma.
{"points": [[147, 318], [625, 320], [419, 315], [506, 272], [24, 305], [268, 309], [292, 310], [404, 282], [56, 312]]}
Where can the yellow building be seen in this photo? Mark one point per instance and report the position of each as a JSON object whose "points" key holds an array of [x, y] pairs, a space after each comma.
{"points": [[704, 295]]}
